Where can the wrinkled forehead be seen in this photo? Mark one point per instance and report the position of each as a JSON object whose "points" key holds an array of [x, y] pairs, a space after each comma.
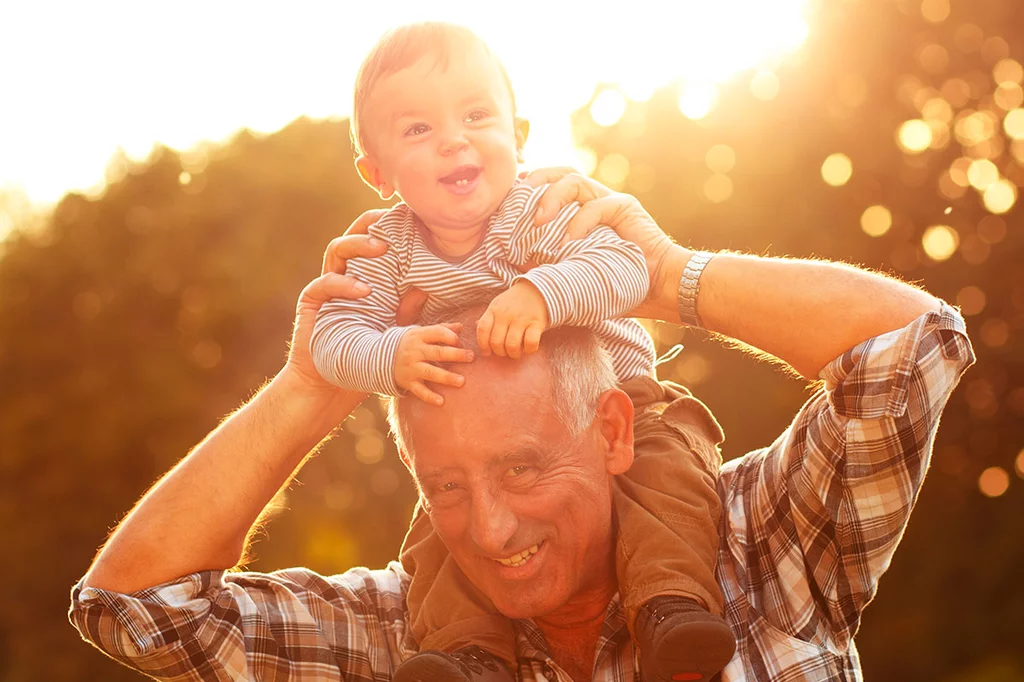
{"points": [[504, 405]]}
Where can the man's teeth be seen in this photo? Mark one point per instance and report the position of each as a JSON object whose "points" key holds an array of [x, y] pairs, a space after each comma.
{"points": [[521, 558]]}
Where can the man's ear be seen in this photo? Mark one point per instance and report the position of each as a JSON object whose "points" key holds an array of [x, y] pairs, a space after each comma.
{"points": [[371, 174], [522, 127], [615, 417]]}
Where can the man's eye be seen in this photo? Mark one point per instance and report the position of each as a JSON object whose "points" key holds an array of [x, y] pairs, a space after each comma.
{"points": [[518, 470], [417, 129], [449, 487]]}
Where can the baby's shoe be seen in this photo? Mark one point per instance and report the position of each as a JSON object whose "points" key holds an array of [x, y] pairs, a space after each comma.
{"points": [[468, 664], [681, 640]]}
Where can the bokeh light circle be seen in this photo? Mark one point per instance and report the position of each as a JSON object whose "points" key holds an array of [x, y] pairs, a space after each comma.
{"points": [[837, 169], [940, 242], [608, 107], [993, 482], [1000, 196], [915, 136], [982, 173], [1013, 124], [697, 101], [721, 158], [876, 221]]}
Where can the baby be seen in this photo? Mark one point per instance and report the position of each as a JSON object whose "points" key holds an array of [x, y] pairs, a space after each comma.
{"points": [[434, 123]]}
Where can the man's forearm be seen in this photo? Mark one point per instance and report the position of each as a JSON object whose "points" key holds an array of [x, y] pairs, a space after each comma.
{"points": [[198, 515], [803, 312]]}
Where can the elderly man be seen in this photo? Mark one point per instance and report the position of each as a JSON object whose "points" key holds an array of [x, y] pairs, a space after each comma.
{"points": [[523, 457]]}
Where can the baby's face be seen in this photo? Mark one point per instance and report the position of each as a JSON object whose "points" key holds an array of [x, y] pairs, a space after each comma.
{"points": [[444, 139]]}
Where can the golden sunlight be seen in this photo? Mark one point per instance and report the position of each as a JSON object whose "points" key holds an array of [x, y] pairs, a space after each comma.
{"points": [[162, 91]]}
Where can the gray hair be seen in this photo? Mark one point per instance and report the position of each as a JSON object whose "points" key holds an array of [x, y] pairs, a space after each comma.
{"points": [[581, 369]]}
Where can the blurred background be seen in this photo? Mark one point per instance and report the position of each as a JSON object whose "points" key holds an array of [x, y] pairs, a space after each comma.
{"points": [[169, 178]]}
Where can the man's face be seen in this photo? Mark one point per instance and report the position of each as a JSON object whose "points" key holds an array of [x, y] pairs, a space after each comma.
{"points": [[443, 138], [523, 507]]}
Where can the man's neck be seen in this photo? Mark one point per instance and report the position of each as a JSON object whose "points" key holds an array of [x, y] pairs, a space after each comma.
{"points": [[572, 631]]}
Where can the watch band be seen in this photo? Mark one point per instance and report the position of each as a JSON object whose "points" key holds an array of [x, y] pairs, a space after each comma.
{"points": [[689, 288]]}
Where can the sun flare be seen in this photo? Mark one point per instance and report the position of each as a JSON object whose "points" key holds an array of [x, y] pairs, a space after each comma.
{"points": [[127, 75]]}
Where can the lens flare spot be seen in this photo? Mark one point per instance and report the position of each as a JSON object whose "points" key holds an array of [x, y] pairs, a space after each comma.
{"points": [[718, 188], [940, 242], [993, 482], [697, 101], [608, 107], [982, 173], [837, 169], [720, 158], [915, 136], [1013, 124], [876, 221], [1000, 196]]}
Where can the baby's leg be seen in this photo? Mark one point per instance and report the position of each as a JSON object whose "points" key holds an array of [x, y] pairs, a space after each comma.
{"points": [[446, 611], [667, 508]]}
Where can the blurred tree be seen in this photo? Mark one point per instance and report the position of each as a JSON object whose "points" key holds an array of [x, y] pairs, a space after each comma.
{"points": [[131, 322]]}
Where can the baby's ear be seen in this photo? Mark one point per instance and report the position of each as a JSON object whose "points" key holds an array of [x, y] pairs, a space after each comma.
{"points": [[522, 127], [369, 171]]}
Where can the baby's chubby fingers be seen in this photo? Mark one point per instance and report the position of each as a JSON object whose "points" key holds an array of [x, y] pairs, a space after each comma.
{"points": [[446, 334], [420, 390], [438, 353], [514, 340], [483, 331], [531, 338], [437, 375], [496, 341]]}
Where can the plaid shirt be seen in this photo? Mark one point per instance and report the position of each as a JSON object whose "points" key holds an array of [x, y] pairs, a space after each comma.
{"points": [[809, 525]]}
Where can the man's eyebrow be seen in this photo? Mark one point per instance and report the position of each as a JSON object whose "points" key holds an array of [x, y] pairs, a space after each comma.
{"points": [[434, 474]]}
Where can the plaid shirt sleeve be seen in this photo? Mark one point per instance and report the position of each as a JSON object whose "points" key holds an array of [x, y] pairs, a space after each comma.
{"points": [[292, 625], [812, 521]]}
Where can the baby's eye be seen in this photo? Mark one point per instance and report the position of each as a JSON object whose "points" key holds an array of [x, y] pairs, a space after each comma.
{"points": [[416, 129], [476, 115]]}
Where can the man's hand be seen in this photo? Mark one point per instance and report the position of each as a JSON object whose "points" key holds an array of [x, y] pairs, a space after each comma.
{"points": [[419, 348], [513, 322], [599, 206], [330, 284], [621, 212]]}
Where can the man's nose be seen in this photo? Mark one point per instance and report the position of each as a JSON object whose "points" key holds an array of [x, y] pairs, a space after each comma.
{"points": [[492, 525]]}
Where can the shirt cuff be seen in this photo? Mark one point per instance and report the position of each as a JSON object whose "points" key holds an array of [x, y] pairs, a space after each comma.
{"points": [[557, 297], [872, 379]]}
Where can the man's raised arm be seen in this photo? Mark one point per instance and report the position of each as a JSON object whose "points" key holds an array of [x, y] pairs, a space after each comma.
{"points": [[803, 312], [199, 515]]}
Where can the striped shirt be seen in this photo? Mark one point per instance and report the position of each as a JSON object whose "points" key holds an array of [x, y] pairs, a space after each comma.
{"points": [[588, 282], [810, 524]]}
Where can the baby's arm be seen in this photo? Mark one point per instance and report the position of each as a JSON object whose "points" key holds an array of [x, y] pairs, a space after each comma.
{"points": [[581, 283], [357, 346]]}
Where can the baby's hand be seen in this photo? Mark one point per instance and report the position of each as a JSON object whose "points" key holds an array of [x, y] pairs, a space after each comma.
{"points": [[418, 349], [513, 322]]}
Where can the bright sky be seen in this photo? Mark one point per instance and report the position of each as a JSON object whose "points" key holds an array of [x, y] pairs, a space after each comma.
{"points": [[81, 79]]}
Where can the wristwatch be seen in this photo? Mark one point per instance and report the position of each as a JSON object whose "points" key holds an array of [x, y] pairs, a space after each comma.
{"points": [[689, 287]]}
